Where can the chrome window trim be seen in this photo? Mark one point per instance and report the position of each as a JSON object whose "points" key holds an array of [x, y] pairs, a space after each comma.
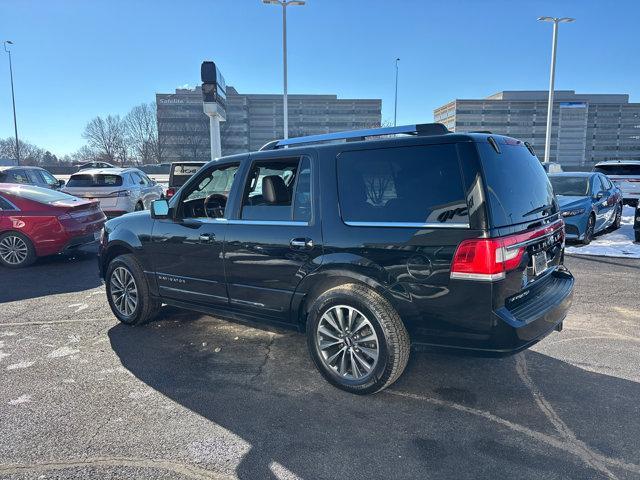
{"points": [[13, 205], [281, 223], [407, 224]]}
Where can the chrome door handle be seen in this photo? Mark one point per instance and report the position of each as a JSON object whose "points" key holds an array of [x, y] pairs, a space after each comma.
{"points": [[207, 238], [302, 243]]}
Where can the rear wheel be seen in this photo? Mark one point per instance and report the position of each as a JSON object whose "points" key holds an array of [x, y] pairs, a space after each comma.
{"points": [[16, 250], [588, 234], [128, 291], [356, 339]]}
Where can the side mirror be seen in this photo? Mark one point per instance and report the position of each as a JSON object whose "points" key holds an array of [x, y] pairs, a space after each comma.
{"points": [[61, 183], [160, 209], [599, 195]]}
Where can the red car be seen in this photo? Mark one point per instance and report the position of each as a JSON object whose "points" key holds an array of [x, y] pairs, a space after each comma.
{"points": [[36, 221]]}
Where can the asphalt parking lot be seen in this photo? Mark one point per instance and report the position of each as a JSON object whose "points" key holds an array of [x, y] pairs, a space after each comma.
{"points": [[195, 397]]}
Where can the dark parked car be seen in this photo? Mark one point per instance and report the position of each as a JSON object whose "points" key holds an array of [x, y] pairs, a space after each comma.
{"points": [[30, 176], [369, 244], [589, 202], [181, 172]]}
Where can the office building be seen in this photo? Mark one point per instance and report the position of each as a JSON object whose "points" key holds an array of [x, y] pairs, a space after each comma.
{"points": [[587, 128], [253, 120]]}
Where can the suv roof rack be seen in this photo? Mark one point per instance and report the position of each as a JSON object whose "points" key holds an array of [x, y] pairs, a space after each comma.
{"points": [[358, 135]]}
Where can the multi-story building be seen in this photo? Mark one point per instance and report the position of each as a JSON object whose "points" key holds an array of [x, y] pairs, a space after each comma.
{"points": [[586, 128], [253, 120]]}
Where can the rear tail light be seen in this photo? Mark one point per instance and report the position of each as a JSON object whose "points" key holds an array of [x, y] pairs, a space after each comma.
{"points": [[489, 259], [170, 192], [121, 193]]}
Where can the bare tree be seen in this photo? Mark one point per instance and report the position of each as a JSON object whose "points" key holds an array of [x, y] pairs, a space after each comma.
{"points": [[30, 154], [107, 137], [142, 132], [83, 155]]}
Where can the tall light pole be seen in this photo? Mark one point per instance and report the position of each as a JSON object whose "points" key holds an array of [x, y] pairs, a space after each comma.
{"points": [[13, 99], [556, 21], [395, 104], [284, 5]]}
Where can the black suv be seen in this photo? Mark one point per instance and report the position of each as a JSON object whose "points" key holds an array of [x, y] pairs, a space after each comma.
{"points": [[369, 240]]}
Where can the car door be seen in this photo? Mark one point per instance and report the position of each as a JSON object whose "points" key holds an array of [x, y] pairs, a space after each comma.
{"points": [[609, 195], [149, 189], [275, 239], [600, 202], [187, 250]]}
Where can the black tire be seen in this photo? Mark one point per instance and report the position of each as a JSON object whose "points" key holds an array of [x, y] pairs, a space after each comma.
{"points": [[637, 235], [392, 338], [146, 307], [20, 241], [618, 220], [139, 207], [588, 234]]}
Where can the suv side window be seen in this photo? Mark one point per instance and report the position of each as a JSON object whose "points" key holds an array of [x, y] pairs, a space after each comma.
{"points": [[278, 190], [208, 197], [406, 185]]}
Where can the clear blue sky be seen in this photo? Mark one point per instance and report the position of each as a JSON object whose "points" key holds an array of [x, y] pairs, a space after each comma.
{"points": [[75, 59]]}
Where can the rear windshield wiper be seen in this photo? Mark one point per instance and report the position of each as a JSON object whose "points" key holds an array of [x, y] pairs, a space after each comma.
{"points": [[536, 210]]}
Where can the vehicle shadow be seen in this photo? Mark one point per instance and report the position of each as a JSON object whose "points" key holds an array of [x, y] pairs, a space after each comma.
{"points": [[74, 271], [449, 416]]}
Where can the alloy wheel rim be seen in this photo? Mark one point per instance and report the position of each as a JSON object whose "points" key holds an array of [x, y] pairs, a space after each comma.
{"points": [[124, 292], [13, 250], [347, 342]]}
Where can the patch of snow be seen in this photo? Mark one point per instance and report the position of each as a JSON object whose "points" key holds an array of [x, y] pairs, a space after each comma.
{"points": [[16, 366], [62, 352], [4, 355], [614, 244], [8, 334], [20, 399]]}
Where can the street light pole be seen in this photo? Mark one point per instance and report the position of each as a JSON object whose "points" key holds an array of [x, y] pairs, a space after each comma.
{"points": [[13, 100], [285, 107], [552, 75], [395, 105]]}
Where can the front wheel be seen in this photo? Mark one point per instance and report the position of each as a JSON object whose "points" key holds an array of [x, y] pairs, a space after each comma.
{"points": [[618, 218], [588, 234], [128, 291], [356, 339]]}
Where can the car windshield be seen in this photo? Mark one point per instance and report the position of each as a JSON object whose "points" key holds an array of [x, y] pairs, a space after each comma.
{"points": [[570, 186], [38, 194], [96, 180]]}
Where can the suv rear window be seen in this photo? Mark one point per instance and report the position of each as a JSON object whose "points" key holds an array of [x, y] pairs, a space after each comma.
{"points": [[99, 180], [410, 185], [617, 169], [517, 187]]}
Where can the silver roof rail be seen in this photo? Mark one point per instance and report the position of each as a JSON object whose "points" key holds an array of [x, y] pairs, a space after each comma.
{"points": [[357, 135]]}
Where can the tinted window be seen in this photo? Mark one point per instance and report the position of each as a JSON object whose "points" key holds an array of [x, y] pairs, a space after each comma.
{"points": [[269, 191], [617, 169], [5, 205], [606, 182], [417, 185], [570, 186], [98, 180], [516, 184], [596, 186], [17, 176], [47, 178]]}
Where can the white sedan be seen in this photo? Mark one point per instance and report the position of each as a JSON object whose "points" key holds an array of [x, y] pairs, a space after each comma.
{"points": [[119, 190]]}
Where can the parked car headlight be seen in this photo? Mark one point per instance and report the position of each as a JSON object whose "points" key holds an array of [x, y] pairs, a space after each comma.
{"points": [[573, 213]]}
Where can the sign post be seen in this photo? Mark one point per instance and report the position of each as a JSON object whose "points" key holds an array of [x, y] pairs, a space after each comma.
{"points": [[214, 97]]}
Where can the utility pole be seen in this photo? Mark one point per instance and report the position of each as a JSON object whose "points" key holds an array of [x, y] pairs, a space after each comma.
{"points": [[13, 100]]}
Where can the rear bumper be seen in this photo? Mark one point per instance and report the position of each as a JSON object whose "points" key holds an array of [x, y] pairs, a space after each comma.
{"points": [[511, 328]]}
